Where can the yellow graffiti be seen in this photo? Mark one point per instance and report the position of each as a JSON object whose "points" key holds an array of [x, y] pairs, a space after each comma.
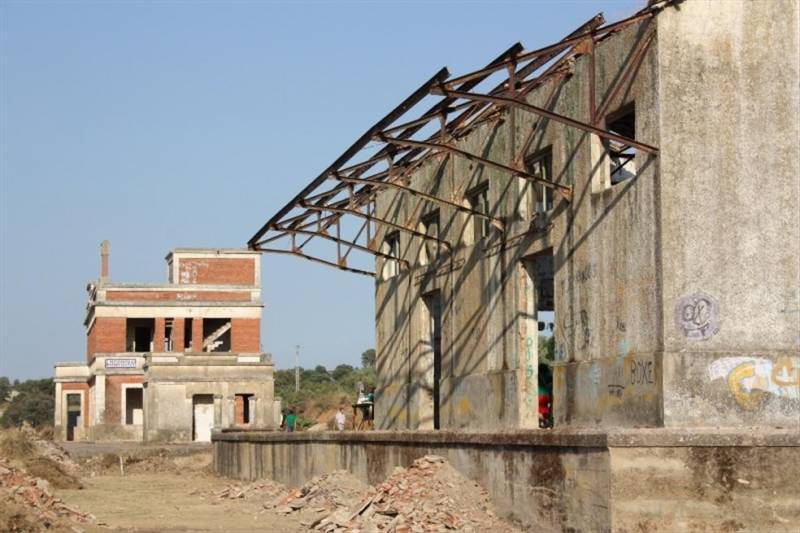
{"points": [[749, 400]]}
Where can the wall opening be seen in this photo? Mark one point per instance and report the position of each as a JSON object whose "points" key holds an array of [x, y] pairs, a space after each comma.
{"points": [[429, 225], [202, 417], [540, 198], [134, 414], [391, 247], [73, 414], [432, 361], [478, 200], [538, 312], [242, 412], [217, 335], [168, 328], [622, 157], [187, 334], [139, 334]]}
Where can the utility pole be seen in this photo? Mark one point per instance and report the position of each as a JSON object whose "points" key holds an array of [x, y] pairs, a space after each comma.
{"points": [[297, 368]]}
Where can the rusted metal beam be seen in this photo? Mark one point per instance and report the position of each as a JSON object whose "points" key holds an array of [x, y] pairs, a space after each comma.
{"points": [[393, 115], [347, 243], [434, 199], [501, 100], [312, 258], [564, 190], [377, 220], [560, 46]]}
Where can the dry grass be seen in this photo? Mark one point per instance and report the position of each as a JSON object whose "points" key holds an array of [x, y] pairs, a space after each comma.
{"points": [[17, 447]]}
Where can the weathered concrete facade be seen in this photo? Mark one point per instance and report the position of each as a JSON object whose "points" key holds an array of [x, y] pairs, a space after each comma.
{"points": [[169, 362], [624, 481], [677, 292]]}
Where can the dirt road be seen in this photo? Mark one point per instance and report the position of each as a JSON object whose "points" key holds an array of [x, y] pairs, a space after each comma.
{"points": [[170, 502]]}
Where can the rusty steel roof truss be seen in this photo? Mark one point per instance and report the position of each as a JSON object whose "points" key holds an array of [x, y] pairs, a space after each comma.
{"points": [[346, 188]]}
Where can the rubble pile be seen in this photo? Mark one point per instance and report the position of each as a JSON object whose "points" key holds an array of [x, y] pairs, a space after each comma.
{"points": [[429, 495], [50, 450], [27, 500], [322, 494]]}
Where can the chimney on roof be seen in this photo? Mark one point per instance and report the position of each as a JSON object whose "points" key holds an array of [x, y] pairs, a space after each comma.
{"points": [[105, 247]]}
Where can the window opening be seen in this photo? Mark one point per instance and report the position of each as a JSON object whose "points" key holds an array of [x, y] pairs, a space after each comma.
{"points": [[541, 166], [430, 248], [217, 335], [478, 199], [391, 247], [139, 334], [622, 157], [187, 334], [168, 334]]}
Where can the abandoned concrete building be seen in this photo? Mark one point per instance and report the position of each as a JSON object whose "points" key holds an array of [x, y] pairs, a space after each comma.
{"points": [[608, 180], [167, 362], [636, 184]]}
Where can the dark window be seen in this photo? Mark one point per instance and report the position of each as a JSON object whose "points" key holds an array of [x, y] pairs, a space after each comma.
{"points": [[622, 156], [478, 199]]}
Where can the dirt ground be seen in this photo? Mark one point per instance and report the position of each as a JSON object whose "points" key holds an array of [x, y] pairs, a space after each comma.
{"points": [[168, 502]]}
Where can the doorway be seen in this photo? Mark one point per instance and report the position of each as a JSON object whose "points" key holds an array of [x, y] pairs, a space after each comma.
{"points": [[203, 417], [134, 413], [73, 414], [433, 340], [538, 314]]}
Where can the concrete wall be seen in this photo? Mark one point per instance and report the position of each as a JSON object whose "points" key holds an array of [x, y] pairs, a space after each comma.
{"points": [[170, 388], [730, 99], [628, 481]]}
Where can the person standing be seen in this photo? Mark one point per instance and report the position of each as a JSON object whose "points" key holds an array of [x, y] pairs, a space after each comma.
{"points": [[340, 419], [291, 419]]}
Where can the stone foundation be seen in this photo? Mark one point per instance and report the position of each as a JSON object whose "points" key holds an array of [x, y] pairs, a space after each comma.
{"points": [[623, 481]]}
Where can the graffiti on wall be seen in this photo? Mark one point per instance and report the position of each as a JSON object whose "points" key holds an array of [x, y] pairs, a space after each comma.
{"points": [[752, 380], [697, 316]]}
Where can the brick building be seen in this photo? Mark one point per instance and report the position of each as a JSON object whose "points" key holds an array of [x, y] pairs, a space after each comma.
{"points": [[167, 362]]}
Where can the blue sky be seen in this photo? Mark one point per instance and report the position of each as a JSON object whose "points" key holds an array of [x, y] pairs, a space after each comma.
{"points": [[167, 124]]}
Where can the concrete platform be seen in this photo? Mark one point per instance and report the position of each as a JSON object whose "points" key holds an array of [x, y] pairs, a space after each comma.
{"points": [[579, 481]]}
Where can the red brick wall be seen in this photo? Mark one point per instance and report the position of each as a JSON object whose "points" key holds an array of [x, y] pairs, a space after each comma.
{"points": [[238, 409], [177, 335], [107, 334], [183, 296], [114, 396], [217, 271], [246, 335], [158, 335], [197, 334], [85, 407]]}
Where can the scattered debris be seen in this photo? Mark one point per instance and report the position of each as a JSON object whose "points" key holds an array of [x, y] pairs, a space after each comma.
{"points": [[429, 495], [28, 505], [323, 494], [265, 488]]}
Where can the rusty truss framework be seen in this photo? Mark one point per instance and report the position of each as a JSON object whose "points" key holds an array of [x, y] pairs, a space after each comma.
{"points": [[398, 147]]}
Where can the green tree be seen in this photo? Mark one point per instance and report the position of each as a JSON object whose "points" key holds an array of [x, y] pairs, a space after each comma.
{"points": [[341, 371], [34, 404], [5, 388], [368, 359]]}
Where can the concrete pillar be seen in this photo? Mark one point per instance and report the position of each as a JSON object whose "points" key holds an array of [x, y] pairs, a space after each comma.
{"points": [[252, 407], [158, 335], [177, 335], [99, 399], [218, 400], [197, 334], [57, 409]]}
